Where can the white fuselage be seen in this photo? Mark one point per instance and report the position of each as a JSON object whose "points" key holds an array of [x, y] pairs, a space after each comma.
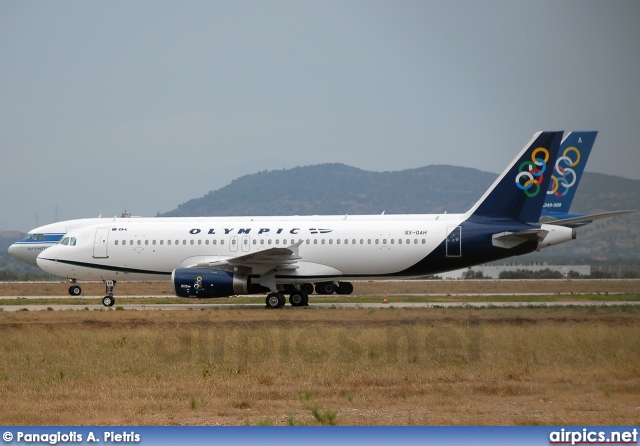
{"points": [[328, 247]]}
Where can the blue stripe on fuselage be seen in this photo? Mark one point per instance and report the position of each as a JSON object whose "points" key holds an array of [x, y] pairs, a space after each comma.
{"points": [[31, 239]]}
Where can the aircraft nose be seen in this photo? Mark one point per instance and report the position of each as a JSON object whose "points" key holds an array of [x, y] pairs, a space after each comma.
{"points": [[43, 263], [22, 253]]}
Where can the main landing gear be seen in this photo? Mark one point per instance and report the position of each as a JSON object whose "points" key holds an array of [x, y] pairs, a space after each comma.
{"points": [[299, 294], [297, 298], [109, 300], [74, 289]]}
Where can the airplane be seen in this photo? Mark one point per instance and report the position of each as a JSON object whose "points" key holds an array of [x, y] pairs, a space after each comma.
{"points": [[575, 149], [556, 206], [209, 257]]}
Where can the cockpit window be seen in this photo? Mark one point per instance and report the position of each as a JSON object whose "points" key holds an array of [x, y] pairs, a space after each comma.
{"points": [[68, 241], [34, 237]]}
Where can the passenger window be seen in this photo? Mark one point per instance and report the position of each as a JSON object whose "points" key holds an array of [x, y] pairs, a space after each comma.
{"points": [[131, 242], [384, 241], [315, 241], [168, 242], [322, 241], [377, 241], [277, 242], [191, 241], [262, 242], [215, 242], [146, 242], [415, 241], [424, 241], [255, 241], [222, 242], [161, 242], [269, 242], [337, 241], [184, 242], [139, 242], [308, 241], [331, 241], [116, 242], [154, 242], [392, 241], [206, 242]]}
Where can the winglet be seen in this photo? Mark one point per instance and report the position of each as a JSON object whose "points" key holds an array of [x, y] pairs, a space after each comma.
{"points": [[519, 192]]}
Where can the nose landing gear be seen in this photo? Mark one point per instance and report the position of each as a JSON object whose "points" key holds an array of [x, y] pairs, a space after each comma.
{"points": [[109, 300]]}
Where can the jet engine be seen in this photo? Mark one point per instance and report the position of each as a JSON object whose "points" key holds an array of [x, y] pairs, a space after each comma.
{"points": [[557, 234], [207, 283]]}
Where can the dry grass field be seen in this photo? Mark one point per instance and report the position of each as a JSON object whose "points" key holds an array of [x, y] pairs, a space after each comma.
{"points": [[307, 366]]}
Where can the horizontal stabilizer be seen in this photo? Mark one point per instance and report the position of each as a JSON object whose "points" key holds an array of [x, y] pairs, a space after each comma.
{"points": [[509, 240], [582, 220]]}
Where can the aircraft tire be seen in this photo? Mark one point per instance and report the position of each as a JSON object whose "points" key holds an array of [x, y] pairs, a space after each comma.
{"points": [[345, 288], [298, 299], [108, 301], [275, 300], [307, 288], [325, 288], [75, 290]]}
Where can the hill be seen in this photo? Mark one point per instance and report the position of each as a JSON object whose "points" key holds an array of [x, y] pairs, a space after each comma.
{"points": [[341, 189]]}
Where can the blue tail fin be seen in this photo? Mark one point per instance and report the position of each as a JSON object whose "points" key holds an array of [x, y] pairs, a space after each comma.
{"points": [[519, 192], [573, 156]]}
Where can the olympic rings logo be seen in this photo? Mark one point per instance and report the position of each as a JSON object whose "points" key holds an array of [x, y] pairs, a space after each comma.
{"points": [[564, 172], [198, 284], [531, 172]]}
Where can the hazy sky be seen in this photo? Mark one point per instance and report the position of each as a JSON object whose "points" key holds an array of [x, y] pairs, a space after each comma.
{"points": [[142, 105]]}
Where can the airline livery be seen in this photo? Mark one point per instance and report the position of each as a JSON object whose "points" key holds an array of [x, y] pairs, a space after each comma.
{"points": [[219, 257]]}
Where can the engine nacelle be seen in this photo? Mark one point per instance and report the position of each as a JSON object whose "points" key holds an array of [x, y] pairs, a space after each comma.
{"points": [[556, 235], [207, 283]]}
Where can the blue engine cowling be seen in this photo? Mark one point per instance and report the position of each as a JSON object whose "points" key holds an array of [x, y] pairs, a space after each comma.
{"points": [[206, 283]]}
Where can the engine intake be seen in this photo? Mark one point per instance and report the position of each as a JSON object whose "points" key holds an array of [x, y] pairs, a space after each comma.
{"points": [[208, 283]]}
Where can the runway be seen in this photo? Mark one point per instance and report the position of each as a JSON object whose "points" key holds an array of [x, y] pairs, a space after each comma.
{"points": [[197, 306]]}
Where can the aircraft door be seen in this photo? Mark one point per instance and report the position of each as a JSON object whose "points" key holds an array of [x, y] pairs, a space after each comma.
{"points": [[100, 243], [233, 244], [246, 245], [454, 241]]}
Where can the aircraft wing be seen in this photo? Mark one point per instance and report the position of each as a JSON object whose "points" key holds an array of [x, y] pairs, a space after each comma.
{"points": [[259, 262], [585, 219]]}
